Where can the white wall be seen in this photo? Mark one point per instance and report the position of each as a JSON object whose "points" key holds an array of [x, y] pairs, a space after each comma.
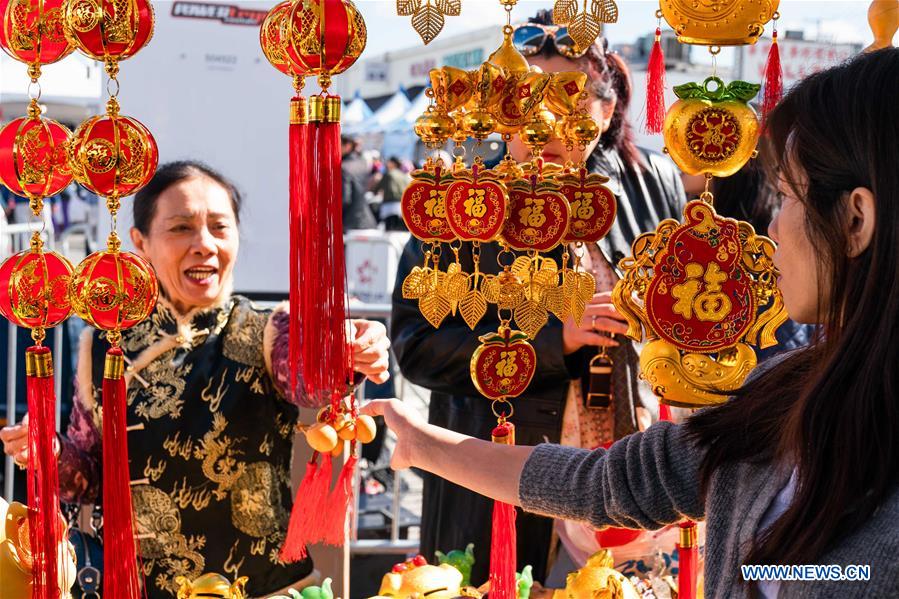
{"points": [[206, 92]]}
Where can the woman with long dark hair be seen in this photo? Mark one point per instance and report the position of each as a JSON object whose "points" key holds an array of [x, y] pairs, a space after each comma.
{"points": [[801, 466], [648, 190]]}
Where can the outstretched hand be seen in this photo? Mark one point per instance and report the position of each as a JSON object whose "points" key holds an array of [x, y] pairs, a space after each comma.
{"points": [[404, 422]]}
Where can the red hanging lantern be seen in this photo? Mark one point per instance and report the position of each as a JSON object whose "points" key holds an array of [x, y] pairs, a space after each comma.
{"points": [[34, 295], [34, 288], [33, 156], [113, 155], [109, 30], [317, 38], [31, 31], [112, 291]]}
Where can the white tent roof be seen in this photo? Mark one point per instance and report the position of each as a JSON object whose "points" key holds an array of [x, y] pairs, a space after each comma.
{"points": [[391, 110], [415, 109], [356, 112]]}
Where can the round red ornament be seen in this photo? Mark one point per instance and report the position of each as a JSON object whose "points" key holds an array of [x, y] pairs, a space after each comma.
{"points": [[113, 290], [503, 365], [476, 207], [593, 205], [112, 155], [33, 160], [272, 37], [31, 31], [324, 37], [538, 216], [109, 30], [34, 288], [424, 205], [701, 298]]}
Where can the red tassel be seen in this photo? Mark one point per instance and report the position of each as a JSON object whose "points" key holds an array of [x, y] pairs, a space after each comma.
{"points": [[45, 529], [120, 575], [326, 357], [655, 87], [773, 78], [503, 554], [299, 166], [664, 412], [306, 523], [687, 561], [339, 505]]}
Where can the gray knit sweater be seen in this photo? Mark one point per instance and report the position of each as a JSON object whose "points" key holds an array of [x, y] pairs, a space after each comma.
{"points": [[651, 479]]}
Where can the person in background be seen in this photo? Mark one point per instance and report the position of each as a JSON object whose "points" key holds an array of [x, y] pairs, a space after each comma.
{"points": [[648, 190], [211, 410], [391, 187], [356, 173]]}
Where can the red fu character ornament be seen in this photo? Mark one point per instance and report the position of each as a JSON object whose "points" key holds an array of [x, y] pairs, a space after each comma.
{"points": [[502, 368], [319, 38]]}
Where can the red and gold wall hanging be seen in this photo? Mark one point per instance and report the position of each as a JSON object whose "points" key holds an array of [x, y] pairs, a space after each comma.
{"points": [[529, 209], [113, 156], [702, 290], [34, 283], [318, 38]]}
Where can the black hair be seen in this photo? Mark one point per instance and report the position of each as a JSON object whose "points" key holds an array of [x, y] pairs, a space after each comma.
{"points": [[609, 79], [173, 173]]}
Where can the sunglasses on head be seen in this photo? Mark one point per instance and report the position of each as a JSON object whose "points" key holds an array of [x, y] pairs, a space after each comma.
{"points": [[530, 38]]}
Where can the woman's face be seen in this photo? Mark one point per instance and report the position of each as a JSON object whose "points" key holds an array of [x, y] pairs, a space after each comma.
{"points": [[192, 242], [555, 150], [795, 257]]}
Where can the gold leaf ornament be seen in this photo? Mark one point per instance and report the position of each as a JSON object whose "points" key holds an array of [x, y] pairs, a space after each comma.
{"points": [[407, 8], [530, 317], [584, 28], [563, 11], [435, 307], [606, 11], [413, 287], [428, 16], [473, 307], [450, 8]]}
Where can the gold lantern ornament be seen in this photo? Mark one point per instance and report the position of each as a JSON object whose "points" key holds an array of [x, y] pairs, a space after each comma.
{"points": [[719, 23]]}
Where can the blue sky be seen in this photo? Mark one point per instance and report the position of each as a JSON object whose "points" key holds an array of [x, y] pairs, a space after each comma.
{"points": [[837, 21]]}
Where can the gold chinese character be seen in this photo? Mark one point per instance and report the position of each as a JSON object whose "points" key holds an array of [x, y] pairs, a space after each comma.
{"points": [[506, 366], [435, 206], [474, 205], [532, 213], [709, 306], [581, 206]]}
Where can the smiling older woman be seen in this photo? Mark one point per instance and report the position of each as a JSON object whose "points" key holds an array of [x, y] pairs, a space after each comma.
{"points": [[210, 415]]}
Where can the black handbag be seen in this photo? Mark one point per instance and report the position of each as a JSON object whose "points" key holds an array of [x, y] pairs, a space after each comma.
{"points": [[88, 553]]}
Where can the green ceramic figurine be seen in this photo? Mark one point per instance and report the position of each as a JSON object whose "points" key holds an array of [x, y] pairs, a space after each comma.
{"points": [[463, 561]]}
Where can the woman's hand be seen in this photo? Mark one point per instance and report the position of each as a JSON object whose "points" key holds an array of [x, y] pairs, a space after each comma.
{"points": [[370, 350], [405, 422], [471, 463], [15, 441], [601, 321]]}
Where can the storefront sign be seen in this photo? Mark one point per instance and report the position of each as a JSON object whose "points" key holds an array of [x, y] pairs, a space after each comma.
{"points": [[225, 13]]}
